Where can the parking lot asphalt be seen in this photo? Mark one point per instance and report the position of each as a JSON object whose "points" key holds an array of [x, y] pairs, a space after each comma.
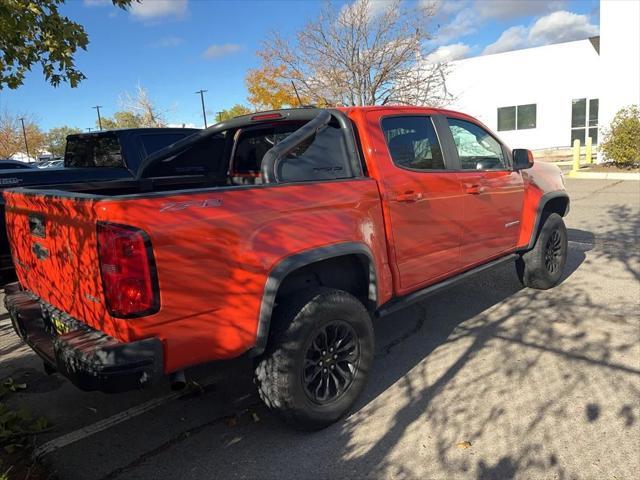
{"points": [[486, 380]]}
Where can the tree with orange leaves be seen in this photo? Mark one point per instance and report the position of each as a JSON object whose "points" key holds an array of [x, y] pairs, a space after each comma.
{"points": [[267, 88]]}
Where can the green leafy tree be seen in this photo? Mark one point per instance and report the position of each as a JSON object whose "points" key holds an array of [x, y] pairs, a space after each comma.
{"points": [[232, 112], [56, 139], [122, 119], [622, 139], [35, 32]]}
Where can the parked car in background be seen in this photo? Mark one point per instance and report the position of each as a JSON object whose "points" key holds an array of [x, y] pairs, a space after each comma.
{"points": [[43, 163], [303, 226], [8, 164], [89, 157], [56, 163]]}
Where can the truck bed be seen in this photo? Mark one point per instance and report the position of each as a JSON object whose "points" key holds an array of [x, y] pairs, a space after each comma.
{"points": [[213, 249]]}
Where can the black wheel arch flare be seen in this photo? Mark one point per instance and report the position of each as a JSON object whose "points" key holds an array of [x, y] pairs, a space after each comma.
{"points": [[297, 261]]}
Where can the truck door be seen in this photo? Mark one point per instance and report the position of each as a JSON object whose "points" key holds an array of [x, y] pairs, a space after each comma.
{"points": [[493, 193], [422, 201]]}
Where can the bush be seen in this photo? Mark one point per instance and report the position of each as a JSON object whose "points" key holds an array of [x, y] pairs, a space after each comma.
{"points": [[622, 139]]}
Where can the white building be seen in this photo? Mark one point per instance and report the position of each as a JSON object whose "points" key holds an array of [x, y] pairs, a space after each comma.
{"points": [[544, 97]]}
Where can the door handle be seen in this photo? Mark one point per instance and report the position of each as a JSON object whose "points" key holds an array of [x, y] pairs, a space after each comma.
{"points": [[409, 196], [474, 189]]}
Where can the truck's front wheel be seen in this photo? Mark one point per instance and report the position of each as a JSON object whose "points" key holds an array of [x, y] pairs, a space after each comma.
{"points": [[542, 266], [318, 358]]}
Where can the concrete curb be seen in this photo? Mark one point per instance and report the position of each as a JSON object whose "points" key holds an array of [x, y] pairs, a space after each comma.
{"points": [[604, 175], [562, 163]]}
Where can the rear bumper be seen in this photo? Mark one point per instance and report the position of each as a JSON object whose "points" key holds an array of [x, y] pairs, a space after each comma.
{"points": [[89, 358]]}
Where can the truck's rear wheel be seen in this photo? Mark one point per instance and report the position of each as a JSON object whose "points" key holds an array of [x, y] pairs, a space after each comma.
{"points": [[318, 358], [542, 266]]}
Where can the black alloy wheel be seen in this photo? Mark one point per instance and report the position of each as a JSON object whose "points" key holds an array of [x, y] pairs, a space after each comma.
{"points": [[331, 362]]}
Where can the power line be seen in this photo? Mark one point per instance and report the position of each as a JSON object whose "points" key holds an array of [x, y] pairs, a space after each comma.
{"points": [[204, 113], [98, 107], [24, 134]]}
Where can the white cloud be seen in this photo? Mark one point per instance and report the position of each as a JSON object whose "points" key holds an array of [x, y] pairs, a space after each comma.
{"points": [[511, 39], [448, 53], [374, 8], [155, 9], [465, 17], [168, 42], [96, 3], [183, 125], [380, 6], [217, 51], [464, 23], [444, 7], [561, 26], [505, 9]]}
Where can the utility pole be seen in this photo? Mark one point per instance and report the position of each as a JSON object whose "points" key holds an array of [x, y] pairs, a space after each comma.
{"points": [[98, 107], [26, 144], [89, 129], [204, 113]]}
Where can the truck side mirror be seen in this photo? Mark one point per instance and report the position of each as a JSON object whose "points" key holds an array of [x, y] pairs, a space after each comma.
{"points": [[522, 159]]}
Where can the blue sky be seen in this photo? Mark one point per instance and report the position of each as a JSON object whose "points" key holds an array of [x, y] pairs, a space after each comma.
{"points": [[175, 47]]}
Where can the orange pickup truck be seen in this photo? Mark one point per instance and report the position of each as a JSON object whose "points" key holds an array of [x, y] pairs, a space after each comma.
{"points": [[308, 224]]}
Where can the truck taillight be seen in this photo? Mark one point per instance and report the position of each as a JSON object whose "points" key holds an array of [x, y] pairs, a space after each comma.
{"points": [[128, 271]]}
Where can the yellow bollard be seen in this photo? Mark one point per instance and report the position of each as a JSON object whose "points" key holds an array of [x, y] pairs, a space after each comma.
{"points": [[587, 151], [576, 155]]}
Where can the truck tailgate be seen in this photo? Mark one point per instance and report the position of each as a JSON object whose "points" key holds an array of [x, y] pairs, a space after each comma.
{"points": [[54, 247]]}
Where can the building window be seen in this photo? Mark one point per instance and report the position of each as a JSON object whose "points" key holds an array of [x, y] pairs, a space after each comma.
{"points": [[584, 120], [506, 118], [521, 117], [526, 117]]}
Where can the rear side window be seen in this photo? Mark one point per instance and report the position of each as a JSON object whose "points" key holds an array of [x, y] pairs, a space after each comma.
{"points": [[101, 150], [413, 143], [324, 156], [477, 149], [205, 157], [153, 142], [253, 143]]}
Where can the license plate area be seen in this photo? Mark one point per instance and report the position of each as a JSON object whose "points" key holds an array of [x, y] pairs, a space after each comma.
{"points": [[60, 327], [58, 323]]}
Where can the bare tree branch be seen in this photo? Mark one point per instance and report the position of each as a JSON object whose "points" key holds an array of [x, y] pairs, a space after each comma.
{"points": [[141, 105], [363, 54]]}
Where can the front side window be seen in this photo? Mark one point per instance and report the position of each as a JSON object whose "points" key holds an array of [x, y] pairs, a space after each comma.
{"points": [[477, 149], [413, 143]]}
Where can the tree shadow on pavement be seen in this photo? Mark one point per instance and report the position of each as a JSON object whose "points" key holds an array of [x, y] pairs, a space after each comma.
{"points": [[523, 378], [482, 357], [512, 362]]}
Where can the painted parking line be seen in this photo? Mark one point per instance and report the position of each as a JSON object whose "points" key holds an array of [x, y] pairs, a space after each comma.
{"points": [[99, 426]]}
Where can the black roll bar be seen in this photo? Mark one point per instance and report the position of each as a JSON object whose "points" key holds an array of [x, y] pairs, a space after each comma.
{"points": [[316, 119]]}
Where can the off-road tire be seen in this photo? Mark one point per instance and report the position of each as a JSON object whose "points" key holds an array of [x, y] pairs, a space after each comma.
{"points": [[297, 323], [542, 266]]}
